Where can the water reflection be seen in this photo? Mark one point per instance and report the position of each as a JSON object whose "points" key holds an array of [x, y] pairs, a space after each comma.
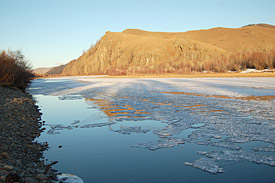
{"points": [[112, 110]]}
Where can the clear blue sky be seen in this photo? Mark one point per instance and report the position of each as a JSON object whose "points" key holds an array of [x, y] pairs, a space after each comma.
{"points": [[52, 32]]}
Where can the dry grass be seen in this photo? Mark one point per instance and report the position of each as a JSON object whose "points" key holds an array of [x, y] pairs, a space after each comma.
{"points": [[244, 39]]}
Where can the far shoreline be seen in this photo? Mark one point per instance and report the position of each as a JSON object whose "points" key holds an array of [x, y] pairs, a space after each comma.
{"points": [[170, 75]]}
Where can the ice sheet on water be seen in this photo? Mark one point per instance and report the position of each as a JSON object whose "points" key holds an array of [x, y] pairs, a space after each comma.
{"points": [[162, 133], [75, 122], [55, 129], [206, 164], [198, 125], [53, 132], [205, 135], [210, 162], [240, 155], [270, 148], [160, 144], [69, 178], [96, 125], [70, 97], [131, 129], [220, 144], [173, 128]]}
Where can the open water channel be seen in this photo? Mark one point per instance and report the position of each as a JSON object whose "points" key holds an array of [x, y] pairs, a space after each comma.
{"points": [[159, 130]]}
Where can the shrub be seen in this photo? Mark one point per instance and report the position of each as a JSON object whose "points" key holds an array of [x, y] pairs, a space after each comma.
{"points": [[15, 70]]}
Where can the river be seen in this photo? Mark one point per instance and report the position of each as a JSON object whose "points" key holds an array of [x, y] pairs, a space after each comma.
{"points": [[159, 130]]}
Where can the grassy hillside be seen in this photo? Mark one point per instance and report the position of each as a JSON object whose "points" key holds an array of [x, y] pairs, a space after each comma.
{"points": [[259, 37], [136, 51]]}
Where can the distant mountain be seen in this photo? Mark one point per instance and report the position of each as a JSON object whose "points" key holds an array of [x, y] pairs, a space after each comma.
{"points": [[56, 70], [261, 25], [138, 51], [49, 70], [41, 70]]}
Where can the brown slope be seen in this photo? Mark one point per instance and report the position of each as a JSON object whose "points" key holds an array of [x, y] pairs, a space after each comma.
{"points": [[56, 70], [117, 52], [41, 70], [252, 38], [259, 37]]}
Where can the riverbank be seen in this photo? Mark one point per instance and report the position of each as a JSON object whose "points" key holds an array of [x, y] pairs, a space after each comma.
{"points": [[197, 75], [21, 157], [243, 74]]}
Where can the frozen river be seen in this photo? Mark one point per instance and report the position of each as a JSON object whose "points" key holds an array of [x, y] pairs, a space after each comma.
{"points": [[160, 130]]}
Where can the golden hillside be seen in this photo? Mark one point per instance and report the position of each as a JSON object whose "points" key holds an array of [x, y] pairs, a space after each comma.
{"points": [[249, 38], [137, 51]]}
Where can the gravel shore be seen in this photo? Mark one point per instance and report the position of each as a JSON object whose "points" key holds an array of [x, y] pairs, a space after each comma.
{"points": [[21, 157]]}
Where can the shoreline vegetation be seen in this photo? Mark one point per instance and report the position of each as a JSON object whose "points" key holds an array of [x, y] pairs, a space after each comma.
{"points": [[21, 157], [15, 70]]}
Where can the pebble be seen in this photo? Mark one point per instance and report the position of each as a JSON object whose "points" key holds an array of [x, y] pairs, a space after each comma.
{"points": [[21, 158], [4, 155], [9, 167]]}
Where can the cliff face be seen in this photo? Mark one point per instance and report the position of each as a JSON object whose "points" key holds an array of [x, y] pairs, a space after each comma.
{"points": [[137, 51]]}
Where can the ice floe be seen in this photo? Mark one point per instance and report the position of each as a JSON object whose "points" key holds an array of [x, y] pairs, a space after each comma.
{"points": [[69, 178], [131, 129], [160, 144], [206, 164], [240, 156], [267, 149]]}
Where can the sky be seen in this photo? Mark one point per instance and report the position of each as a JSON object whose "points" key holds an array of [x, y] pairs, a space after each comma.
{"points": [[54, 32]]}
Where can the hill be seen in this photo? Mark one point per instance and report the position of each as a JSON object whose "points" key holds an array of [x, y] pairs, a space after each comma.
{"points": [[137, 51], [56, 70], [248, 38], [41, 70]]}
